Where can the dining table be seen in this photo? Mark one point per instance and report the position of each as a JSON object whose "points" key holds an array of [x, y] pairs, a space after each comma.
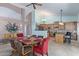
{"points": [[31, 42]]}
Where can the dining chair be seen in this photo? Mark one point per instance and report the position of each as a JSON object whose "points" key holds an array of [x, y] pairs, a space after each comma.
{"points": [[23, 49], [6, 36], [68, 37], [13, 46], [20, 36], [42, 48]]}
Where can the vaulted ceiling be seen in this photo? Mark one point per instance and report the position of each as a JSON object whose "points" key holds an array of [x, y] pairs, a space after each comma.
{"points": [[69, 9], [11, 6]]}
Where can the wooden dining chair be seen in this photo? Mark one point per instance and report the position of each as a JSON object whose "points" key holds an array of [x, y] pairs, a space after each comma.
{"points": [[13, 46], [23, 49]]}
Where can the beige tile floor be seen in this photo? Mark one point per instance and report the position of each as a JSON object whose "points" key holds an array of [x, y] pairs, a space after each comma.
{"points": [[54, 49], [5, 50], [63, 49]]}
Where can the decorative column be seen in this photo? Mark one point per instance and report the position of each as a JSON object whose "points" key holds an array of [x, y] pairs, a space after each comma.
{"points": [[78, 28], [33, 22], [23, 22], [29, 23]]}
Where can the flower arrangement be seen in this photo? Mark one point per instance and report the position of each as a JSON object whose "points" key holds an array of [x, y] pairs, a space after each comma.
{"points": [[11, 27]]}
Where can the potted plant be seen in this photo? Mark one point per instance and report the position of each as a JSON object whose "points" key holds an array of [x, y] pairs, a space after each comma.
{"points": [[11, 27]]}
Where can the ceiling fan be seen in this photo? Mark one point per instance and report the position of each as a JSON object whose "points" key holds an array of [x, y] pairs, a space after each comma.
{"points": [[34, 5]]}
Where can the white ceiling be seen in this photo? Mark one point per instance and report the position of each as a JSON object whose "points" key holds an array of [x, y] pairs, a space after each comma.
{"points": [[69, 9], [11, 6]]}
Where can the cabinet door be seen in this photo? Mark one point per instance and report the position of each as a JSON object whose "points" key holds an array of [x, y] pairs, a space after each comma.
{"points": [[61, 27], [56, 26], [70, 26]]}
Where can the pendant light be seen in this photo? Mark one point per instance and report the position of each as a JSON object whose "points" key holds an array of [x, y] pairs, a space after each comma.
{"points": [[61, 23]]}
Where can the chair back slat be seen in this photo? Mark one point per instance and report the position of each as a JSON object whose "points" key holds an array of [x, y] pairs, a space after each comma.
{"points": [[18, 45], [12, 44]]}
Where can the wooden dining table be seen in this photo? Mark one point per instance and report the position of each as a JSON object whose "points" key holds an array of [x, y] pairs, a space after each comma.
{"points": [[31, 41]]}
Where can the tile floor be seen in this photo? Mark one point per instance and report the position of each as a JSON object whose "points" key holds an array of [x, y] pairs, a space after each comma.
{"points": [[63, 49], [5, 50]]}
